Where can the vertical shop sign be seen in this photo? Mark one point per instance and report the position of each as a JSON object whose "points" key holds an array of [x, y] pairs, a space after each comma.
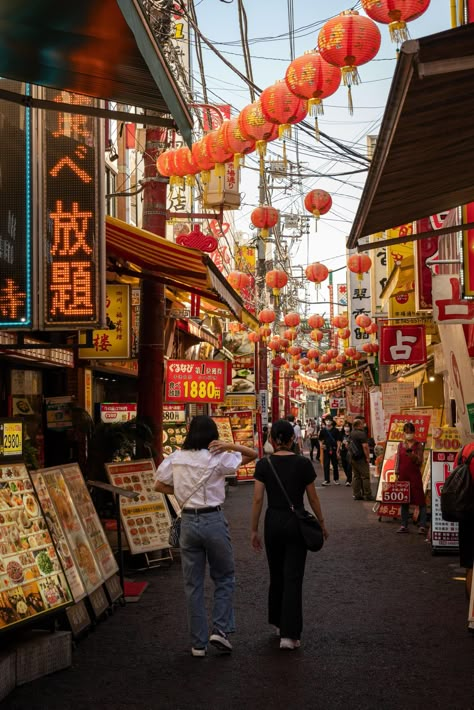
{"points": [[113, 342], [359, 302], [15, 213], [72, 216], [468, 251], [402, 301], [341, 298], [425, 249], [245, 260], [378, 274], [458, 362]]}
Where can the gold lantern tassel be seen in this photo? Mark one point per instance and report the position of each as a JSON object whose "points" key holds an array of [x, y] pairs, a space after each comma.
{"points": [[190, 180], [264, 232], [220, 170], [350, 74], [349, 100], [261, 147], [317, 134], [285, 160], [398, 31], [238, 160], [284, 130]]}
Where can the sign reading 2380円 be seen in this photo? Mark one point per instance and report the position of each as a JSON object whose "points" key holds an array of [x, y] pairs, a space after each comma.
{"points": [[195, 381]]}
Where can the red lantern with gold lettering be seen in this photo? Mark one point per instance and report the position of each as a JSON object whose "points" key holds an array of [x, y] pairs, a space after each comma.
{"points": [[395, 14], [316, 335], [276, 280], [203, 159], [281, 106], [265, 332], [318, 202], [254, 126], [264, 218], [347, 41], [340, 321], [363, 321], [186, 165], [239, 280], [344, 333], [311, 77], [217, 151], [317, 273], [359, 264], [234, 142]]}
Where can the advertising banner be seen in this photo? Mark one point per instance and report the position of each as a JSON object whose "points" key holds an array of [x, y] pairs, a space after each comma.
{"points": [[458, 363], [195, 381], [112, 342], [11, 440], [402, 301], [32, 581], [146, 521], [424, 249], [402, 344], [398, 421], [113, 413], [446, 444], [396, 396]]}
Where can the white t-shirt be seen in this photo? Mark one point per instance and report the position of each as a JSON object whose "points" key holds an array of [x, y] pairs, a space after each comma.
{"points": [[185, 469], [297, 430]]}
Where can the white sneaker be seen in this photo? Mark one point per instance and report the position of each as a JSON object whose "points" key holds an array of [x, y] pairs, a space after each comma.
{"points": [[220, 641], [336, 483], [325, 483], [348, 484], [289, 644], [198, 652]]}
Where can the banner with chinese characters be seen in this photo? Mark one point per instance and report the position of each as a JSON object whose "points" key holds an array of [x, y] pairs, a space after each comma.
{"points": [[195, 381], [378, 274], [114, 341], [424, 249], [16, 301], [402, 344], [446, 444], [448, 305], [245, 261], [402, 302], [359, 303], [72, 217], [341, 298]]}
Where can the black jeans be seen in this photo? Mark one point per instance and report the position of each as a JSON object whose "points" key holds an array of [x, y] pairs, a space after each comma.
{"points": [[314, 443], [346, 464], [286, 555], [330, 456]]}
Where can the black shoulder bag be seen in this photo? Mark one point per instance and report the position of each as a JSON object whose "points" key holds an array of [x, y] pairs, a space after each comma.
{"points": [[309, 526]]}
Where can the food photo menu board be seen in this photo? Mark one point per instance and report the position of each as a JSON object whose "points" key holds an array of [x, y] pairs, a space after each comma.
{"points": [[80, 546], [241, 423], [32, 581], [146, 521]]}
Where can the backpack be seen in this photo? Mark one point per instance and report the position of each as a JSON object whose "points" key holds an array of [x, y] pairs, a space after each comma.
{"points": [[355, 449], [457, 495]]}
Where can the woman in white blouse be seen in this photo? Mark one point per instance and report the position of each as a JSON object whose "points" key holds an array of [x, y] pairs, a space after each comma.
{"points": [[196, 475]]}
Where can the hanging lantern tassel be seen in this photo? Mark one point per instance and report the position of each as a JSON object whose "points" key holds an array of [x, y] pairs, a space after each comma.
{"points": [[239, 160], [220, 170], [261, 147], [264, 232], [190, 180], [284, 130], [350, 103], [276, 295], [398, 31], [285, 160]]}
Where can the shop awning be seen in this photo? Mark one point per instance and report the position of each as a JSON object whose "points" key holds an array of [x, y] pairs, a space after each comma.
{"points": [[102, 49], [185, 269], [424, 157]]}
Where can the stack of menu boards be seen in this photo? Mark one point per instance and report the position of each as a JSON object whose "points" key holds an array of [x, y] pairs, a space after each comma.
{"points": [[146, 521], [32, 580], [75, 527]]}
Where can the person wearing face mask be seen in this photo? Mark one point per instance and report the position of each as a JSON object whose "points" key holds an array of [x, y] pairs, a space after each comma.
{"points": [[344, 451], [408, 468], [329, 437]]}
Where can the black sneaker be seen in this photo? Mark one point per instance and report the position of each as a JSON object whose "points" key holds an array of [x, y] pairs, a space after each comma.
{"points": [[220, 641]]}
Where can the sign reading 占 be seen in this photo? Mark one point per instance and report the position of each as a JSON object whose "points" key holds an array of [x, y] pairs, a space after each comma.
{"points": [[195, 381], [72, 215]]}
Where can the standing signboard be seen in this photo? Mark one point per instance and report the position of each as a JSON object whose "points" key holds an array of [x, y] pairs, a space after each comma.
{"points": [[446, 444], [146, 521]]}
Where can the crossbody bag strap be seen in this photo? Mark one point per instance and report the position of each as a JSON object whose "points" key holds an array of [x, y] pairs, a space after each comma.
{"points": [[201, 483], [292, 507]]}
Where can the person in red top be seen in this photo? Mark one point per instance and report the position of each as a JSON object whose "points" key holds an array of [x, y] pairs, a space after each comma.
{"points": [[466, 528], [408, 468]]}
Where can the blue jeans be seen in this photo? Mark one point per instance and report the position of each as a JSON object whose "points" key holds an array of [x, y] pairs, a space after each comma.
{"points": [[204, 537], [405, 513]]}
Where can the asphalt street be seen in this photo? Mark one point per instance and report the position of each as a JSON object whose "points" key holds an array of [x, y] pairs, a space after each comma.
{"points": [[385, 627]]}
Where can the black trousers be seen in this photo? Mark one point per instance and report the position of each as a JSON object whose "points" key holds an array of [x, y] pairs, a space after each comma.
{"points": [[346, 464], [286, 555], [330, 457], [314, 443]]}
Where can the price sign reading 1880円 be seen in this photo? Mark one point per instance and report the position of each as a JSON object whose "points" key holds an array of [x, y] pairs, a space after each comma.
{"points": [[195, 381]]}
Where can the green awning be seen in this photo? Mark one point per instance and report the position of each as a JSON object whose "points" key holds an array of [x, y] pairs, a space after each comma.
{"points": [[100, 48]]}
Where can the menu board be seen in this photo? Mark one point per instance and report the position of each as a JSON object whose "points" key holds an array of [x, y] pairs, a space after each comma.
{"points": [[90, 520], [174, 434], [241, 423], [69, 518], [32, 581], [446, 444], [147, 520], [224, 428], [60, 541]]}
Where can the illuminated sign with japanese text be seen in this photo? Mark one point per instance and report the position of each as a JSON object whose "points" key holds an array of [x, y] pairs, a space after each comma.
{"points": [[15, 212], [114, 341], [195, 381], [72, 215]]}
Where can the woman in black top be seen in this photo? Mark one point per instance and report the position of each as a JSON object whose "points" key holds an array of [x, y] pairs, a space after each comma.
{"points": [[284, 545]]}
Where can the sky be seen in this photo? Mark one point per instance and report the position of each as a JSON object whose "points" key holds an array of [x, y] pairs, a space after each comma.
{"points": [[268, 25]]}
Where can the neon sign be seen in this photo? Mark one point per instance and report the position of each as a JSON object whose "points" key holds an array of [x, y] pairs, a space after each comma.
{"points": [[72, 256], [15, 213]]}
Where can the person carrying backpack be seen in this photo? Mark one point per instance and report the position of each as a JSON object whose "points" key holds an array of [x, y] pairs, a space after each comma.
{"points": [[466, 521]]}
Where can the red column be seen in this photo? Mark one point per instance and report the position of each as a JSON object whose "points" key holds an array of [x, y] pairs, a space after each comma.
{"points": [[153, 303], [276, 395]]}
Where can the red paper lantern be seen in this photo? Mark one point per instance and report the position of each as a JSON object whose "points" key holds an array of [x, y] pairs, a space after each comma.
{"points": [[278, 361], [292, 320], [313, 354], [311, 77], [202, 159], [324, 359], [395, 14], [165, 163], [316, 321], [372, 329], [275, 345], [375, 347], [332, 353], [316, 335], [347, 41], [318, 202], [266, 316], [281, 106], [290, 334], [304, 361], [344, 333], [350, 352], [359, 264], [186, 165], [217, 152], [234, 327], [253, 337], [254, 126], [340, 321], [264, 218], [234, 142], [357, 356], [276, 280], [363, 321], [367, 347], [265, 332], [317, 273], [341, 358], [285, 343], [239, 280]]}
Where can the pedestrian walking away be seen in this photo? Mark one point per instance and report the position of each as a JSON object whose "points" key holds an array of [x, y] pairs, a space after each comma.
{"points": [[408, 468], [466, 527], [196, 476], [329, 438], [344, 452], [359, 455], [284, 544], [312, 436]]}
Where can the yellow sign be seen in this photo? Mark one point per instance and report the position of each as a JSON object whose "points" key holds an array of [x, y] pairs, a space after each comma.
{"points": [[114, 341], [402, 301], [12, 444], [246, 401]]}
